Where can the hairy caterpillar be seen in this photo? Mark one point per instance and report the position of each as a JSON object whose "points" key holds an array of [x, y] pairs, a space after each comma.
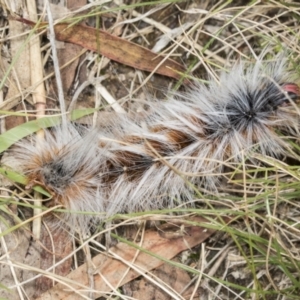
{"points": [[130, 165]]}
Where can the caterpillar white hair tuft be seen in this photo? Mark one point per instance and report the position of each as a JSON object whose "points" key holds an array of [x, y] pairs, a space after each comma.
{"points": [[127, 165]]}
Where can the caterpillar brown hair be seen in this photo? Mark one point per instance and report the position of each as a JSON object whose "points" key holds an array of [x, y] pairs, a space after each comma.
{"points": [[129, 165]]}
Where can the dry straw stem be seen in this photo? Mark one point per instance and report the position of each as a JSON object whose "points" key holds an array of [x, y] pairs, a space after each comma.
{"points": [[39, 99]]}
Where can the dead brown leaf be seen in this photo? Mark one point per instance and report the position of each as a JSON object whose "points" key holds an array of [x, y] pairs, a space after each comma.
{"points": [[114, 48], [111, 267], [54, 246], [177, 279], [118, 49]]}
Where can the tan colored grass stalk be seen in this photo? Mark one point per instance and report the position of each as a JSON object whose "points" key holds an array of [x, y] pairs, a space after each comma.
{"points": [[39, 99]]}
